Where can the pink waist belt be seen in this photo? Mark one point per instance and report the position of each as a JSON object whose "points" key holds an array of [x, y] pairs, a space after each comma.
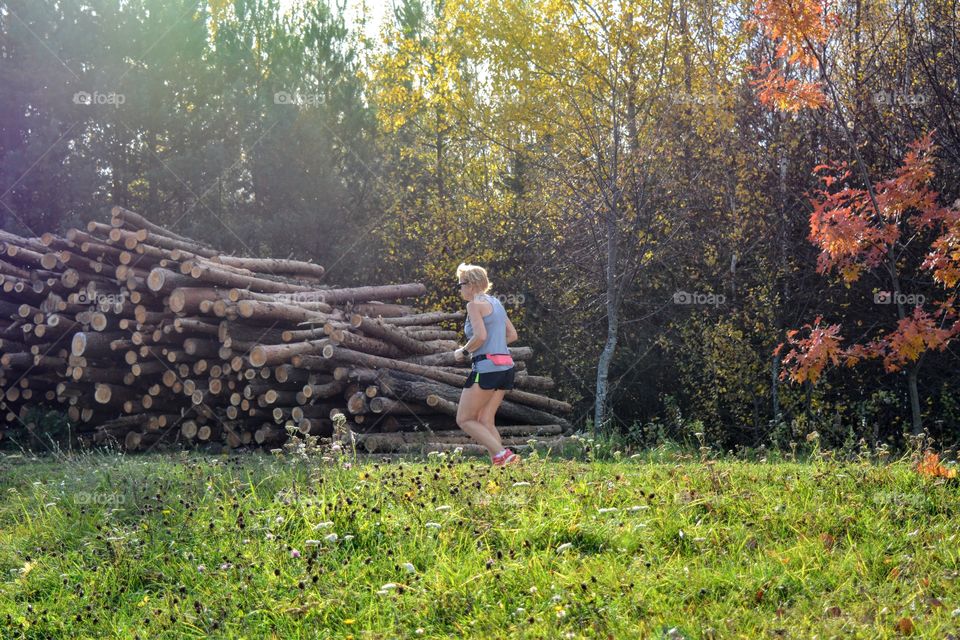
{"points": [[499, 359]]}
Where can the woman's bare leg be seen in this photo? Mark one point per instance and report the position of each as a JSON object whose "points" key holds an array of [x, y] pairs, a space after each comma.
{"points": [[488, 414], [472, 401]]}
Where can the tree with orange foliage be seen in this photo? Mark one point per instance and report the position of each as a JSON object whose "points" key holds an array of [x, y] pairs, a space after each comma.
{"points": [[864, 229]]}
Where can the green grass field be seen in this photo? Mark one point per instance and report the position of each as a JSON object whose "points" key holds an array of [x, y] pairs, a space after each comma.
{"points": [[180, 546]]}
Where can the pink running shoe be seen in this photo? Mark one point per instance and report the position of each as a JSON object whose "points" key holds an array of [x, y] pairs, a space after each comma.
{"points": [[507, 457]]}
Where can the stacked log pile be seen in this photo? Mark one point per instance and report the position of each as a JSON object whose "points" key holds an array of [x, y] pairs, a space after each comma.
{"points": [[149, 337]]}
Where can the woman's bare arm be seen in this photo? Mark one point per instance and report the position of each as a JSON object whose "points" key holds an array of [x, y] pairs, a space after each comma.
{"points": [[479, 329], [511, 332]]}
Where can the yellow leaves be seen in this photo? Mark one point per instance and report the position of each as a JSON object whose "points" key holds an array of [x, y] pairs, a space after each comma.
{"points": [[218, 12]]}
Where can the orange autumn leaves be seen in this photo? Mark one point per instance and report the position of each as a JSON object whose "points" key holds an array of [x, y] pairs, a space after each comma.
{"points": [[855, 233], [930, 466], [797, 27], [855, 229]]}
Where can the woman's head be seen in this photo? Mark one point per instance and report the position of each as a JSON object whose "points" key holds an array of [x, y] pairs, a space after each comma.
{"points": [[472, 280]]}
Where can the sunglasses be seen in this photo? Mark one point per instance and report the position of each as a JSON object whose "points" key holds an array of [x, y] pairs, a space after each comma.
{"points": [[460, 285]]}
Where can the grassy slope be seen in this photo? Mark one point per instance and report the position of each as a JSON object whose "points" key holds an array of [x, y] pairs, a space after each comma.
{"points": [[170, 546]]}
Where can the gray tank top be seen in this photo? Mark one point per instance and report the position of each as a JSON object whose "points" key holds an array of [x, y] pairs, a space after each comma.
{"points": [[496, 325]]}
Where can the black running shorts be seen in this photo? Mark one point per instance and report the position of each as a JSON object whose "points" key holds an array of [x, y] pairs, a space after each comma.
{"points": [[492, 379]]}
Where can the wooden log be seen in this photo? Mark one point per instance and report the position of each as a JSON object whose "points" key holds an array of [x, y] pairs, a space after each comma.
{"points": [[209, 274], [137, 221], [382, 309], [326, 390], [425, 318], [276, 312], [93, 344], [390, 334], [364, 344], [270, 265], [365, 294], [270, 355], [165, 281]]}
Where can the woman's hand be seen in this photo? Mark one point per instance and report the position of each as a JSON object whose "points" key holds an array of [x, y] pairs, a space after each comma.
{"points": [[460, 355]]}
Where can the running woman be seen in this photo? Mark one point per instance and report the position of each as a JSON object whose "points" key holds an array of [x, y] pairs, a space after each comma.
{"points": [[488, 331]]}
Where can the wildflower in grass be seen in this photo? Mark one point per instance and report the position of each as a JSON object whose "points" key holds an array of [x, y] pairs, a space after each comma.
{"points": [[564, 547], [637, 507], [270, 536], [321, 525], [521, 483], [443, 507], [347, 537], [201, 568], [607, 510], [312, 543], [294, 553], [432, 525], [331, 537], [349, 621], [408, 566], [389, 586]]}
